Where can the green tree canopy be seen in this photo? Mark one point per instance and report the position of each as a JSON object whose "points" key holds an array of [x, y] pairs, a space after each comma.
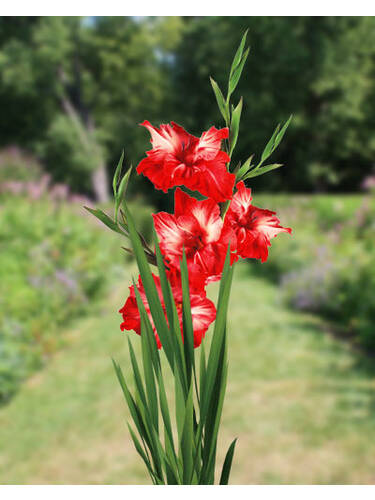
{"points": [[319, 69], [78, 88], [74, 89]]}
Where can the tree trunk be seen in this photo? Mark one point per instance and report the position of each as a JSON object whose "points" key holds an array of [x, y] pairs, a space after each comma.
{"points": [[84, 126], [100, 184]]}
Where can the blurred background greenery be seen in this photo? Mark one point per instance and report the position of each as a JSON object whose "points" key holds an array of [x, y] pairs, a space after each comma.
{"points": [[301, 395]]}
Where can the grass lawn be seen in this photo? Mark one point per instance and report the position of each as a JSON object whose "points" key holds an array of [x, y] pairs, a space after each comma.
{"points": [[301, 402]]}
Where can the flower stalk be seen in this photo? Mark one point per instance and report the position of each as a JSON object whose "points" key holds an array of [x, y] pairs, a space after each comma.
{"points": [[198, 244]]}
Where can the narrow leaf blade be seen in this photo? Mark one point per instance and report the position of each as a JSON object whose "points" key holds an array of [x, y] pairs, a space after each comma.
{"points": [[142, 453], [269, 146], [262, 170], [228, 463], [103, 217], [280, 135], [238, 54], [220, 100], [187, 319], [117, 173], [233, 82], [235, 126], [187, 439], [152, 295], [244, 169], [121, 191]]}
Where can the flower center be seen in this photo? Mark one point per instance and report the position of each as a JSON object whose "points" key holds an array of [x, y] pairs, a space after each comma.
{"points": [[247, 220], [193, 244], [186, 155]]}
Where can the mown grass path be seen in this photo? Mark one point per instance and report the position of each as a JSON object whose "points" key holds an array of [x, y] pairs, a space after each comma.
{"points": [[301, 403]]}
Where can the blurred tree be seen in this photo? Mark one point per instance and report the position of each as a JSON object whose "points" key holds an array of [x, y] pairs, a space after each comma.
{"points": [[79, 86], [73, 90], [319, 69]]}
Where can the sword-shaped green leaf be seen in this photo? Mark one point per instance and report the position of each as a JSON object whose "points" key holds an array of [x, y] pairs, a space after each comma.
{"points": [[227, 463], [274, 141], [262, 170], [202, 367], [179, 402], [187, 439], [235, 126], [219, 333], [187, 319], [121, 191], [137, 375], [270, 145], [142, 453], [214, 414], [147, 332], [145, 431], [234, 79], [103, 217], [117, 174], [214, 368], [168, 434], [150, 290], [280, 135], [223, 107], [173, 321], [238, 55], [164, 407], [244, 168]]}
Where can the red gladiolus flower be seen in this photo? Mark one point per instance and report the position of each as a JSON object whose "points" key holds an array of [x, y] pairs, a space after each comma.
{"points": [[202, 310], [254, 227], [179, 158], [197, 227]]}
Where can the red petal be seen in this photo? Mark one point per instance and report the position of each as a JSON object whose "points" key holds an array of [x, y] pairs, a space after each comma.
{"points": [[216, 182], [164, 139], [179, 158], [171, 236], [130, 312], [203, 313], [202, 214], [152, 168], [253, 226], [210, 143]]}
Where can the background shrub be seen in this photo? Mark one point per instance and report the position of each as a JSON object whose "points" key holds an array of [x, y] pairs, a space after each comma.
{"points": [[328, 266], [18, 166], [54, 263]]}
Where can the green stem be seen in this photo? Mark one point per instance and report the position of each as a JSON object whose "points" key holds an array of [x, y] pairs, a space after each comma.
{"points": [[224, 208]]}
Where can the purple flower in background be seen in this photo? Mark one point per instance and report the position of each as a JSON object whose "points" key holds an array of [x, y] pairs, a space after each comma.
{"points": [[59, 192], [63, 277], [35, 190], [13, 187], [368, 184]]}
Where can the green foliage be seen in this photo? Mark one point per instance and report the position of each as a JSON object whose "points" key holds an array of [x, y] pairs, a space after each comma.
{"points": [[327, 267], [309, 396], [62, 151], [76, 88], [198, 405], [119, 71], [53, 266], [231, 114], [321, 69], [220, 100], [232, 118], [16, 165], [228, 463]]}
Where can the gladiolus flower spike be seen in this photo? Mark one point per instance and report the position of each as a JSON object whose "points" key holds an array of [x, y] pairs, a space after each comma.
{"points": [[168, 306]]}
